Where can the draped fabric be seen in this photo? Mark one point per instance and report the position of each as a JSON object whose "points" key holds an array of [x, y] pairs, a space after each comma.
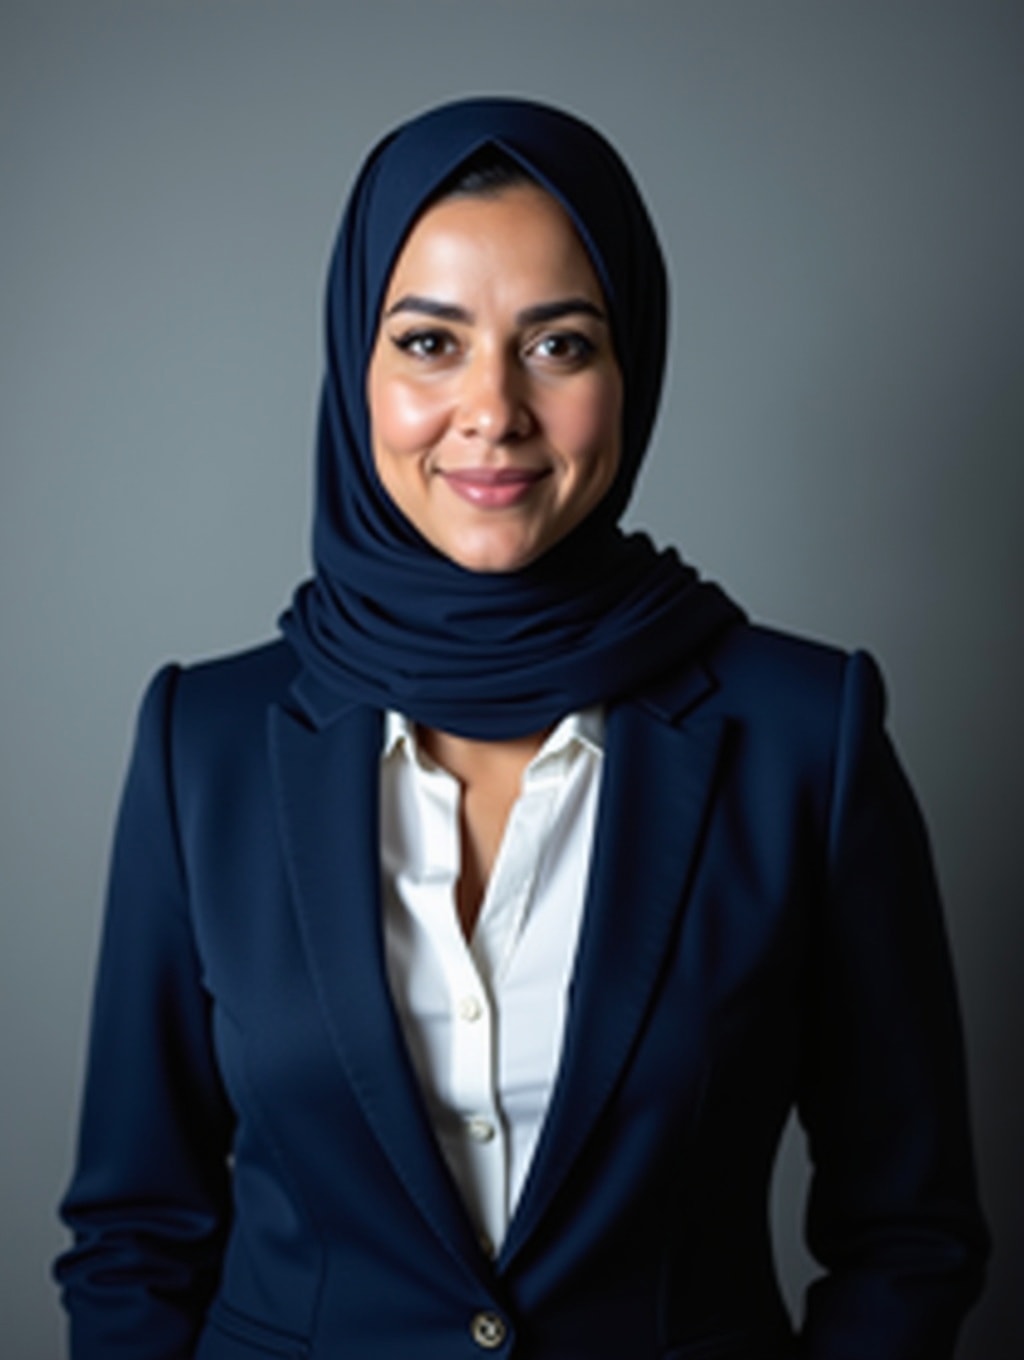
{"points": [[388, 620]]}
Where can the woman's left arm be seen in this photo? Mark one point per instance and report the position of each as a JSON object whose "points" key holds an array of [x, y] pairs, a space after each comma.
{"points": [[893, 1212]]}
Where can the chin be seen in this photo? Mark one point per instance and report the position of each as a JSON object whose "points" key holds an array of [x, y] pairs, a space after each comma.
{"points": [[491, 566], [490, 558]]}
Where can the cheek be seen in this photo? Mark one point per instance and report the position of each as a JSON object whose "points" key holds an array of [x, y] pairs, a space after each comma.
{"points": [[592, 430], [404, 419]]}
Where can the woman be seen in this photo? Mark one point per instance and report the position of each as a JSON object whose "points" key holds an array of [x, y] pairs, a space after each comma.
{"points": [[467, 950]]}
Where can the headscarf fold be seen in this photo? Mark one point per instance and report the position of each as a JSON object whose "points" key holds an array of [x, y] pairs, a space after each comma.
{"points": [[390, 621]]}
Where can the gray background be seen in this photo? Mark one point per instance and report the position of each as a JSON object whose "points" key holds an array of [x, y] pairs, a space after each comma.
{"points": [[839, 190]]}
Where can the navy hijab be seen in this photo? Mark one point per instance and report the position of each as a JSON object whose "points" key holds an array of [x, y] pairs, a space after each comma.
{"points": [[389, 621]]}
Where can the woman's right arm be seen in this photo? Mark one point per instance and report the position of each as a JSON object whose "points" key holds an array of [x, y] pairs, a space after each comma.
{"points": [[149, 1201]]}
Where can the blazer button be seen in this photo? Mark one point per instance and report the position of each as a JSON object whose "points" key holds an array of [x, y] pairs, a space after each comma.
{"points": [[488, 1330]]}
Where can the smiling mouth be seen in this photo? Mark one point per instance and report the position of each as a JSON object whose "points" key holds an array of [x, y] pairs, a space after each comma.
{"points": [[494, 488]]}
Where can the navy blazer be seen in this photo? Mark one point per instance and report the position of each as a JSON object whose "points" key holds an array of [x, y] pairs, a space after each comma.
{"points": [[257, 1176]]}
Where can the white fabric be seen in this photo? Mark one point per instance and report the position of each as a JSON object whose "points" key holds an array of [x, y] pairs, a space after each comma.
{"points": [[484, 1022]]}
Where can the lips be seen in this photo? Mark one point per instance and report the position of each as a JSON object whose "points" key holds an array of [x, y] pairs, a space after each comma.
{"points": [[493, 488]]}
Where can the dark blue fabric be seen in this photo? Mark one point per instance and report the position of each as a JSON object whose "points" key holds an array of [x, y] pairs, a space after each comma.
{"points": [[389, 621], [257, 1172]]}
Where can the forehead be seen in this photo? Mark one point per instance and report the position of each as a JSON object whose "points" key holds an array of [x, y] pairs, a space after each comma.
{"points": [[520, 236]]}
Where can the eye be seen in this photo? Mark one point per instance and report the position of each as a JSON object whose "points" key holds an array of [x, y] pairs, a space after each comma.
{"points": [[426, 342], [567, 349]]}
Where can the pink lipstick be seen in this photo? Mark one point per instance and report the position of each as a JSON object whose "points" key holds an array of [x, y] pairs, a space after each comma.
{"points": [[494, 488]]}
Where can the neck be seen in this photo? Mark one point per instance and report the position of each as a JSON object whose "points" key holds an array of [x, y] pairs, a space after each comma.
{"points": [[473, 762], [490, 774]]}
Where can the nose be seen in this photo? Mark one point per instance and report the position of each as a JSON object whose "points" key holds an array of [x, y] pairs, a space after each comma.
{"points": [[493, 404]]}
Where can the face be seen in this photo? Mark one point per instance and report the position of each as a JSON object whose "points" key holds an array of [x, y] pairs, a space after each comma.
{"points": [[494, 393]]}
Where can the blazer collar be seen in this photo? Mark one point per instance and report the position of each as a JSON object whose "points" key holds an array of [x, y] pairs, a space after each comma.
{"points": [[656, 786], [327, 782], [656, 783]]}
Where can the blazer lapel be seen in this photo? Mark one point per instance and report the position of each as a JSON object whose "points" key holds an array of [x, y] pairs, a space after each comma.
{"points": [[657, 783], [327, 783]]}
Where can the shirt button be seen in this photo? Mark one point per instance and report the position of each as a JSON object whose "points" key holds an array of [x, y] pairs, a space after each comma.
{"points": [[488, 1330], [479, 1129], [470, 1008]]}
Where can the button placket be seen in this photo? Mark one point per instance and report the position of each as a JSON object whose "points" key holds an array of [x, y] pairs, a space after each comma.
{"points": [[470, 1008], [484, 1151], [480, 1128], [472, 1035]]}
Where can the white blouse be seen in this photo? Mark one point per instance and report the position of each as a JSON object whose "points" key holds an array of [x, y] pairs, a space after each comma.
{"points": [[483, 1021]]}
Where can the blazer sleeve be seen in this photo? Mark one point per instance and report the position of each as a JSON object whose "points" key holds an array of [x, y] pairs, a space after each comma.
{"points": [[893, 1211], [148, 1202]]}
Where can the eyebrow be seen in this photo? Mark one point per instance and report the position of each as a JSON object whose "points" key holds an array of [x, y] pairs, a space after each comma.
{"points": [[529, 316]]}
